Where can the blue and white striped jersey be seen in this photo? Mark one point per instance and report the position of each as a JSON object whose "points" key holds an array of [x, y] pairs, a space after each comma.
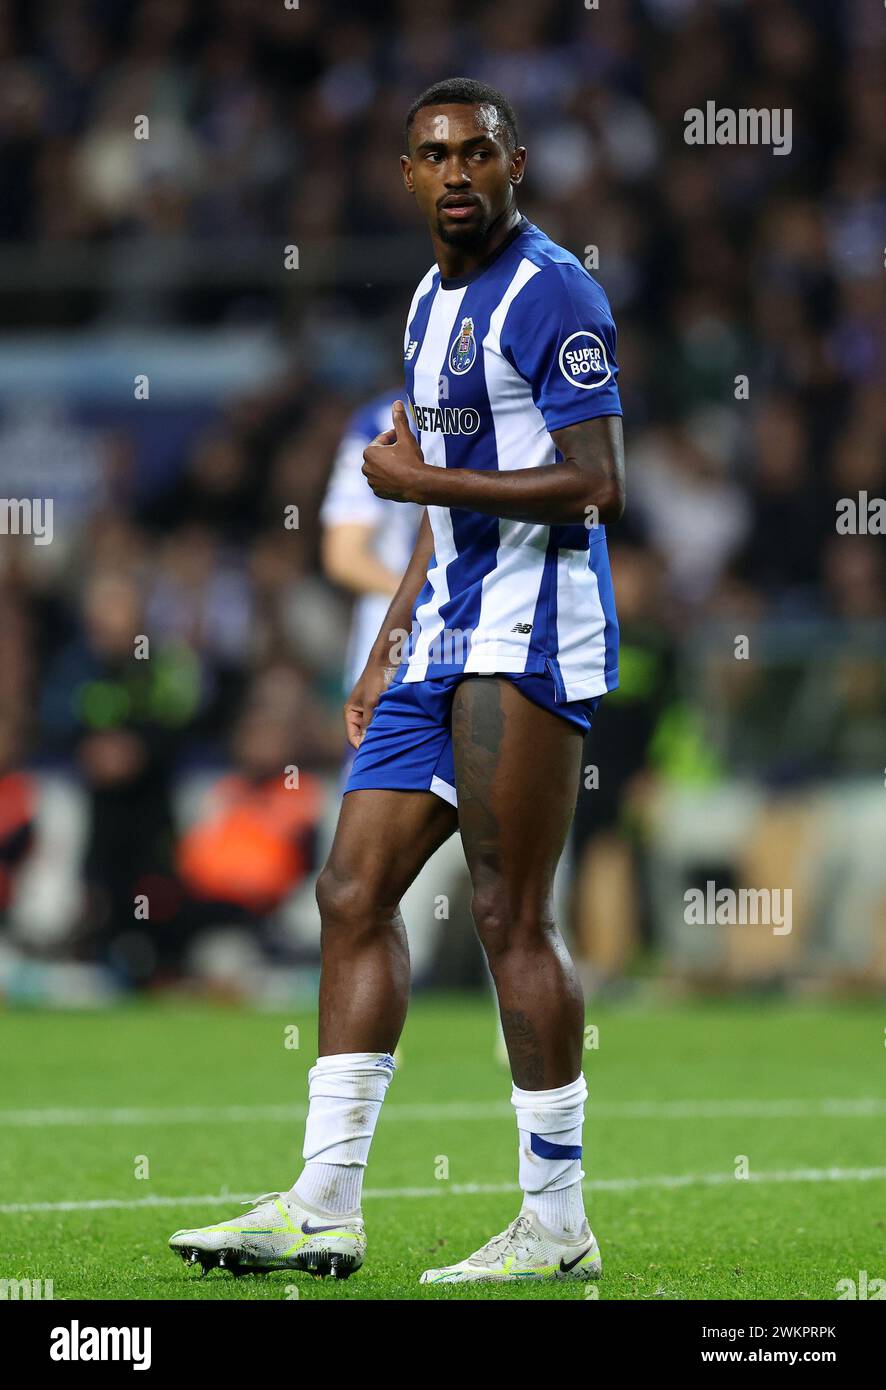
{"points": [[495, 360]]}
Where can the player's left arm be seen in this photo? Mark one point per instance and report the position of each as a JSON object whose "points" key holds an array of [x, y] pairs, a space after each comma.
{"points": [[586, 486], [560, 337]]}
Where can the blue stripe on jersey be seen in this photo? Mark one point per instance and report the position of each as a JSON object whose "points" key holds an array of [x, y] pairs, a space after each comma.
{"points": [[416, 329], [465, 573], [476, 535], [598, 561], [424, 596], [544, 620]]}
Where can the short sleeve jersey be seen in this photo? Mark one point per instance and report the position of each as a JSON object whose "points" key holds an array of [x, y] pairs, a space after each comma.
{"points": [[496, 361]]}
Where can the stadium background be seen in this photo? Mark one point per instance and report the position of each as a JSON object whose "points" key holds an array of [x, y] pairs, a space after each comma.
{"points": [[188, 320]]}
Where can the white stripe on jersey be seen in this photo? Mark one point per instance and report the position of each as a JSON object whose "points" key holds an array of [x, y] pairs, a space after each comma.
{"points": [[424, 285], [428, 371], [581, 621]]}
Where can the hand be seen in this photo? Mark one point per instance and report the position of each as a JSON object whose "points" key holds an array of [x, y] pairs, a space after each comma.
{"points": [[360, 704], [391, 463]]}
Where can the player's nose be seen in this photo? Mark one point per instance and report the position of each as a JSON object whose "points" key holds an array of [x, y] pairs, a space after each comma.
{"points": [[456, 176]]}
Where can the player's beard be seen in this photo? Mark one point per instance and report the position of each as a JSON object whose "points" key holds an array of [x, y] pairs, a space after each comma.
{"points": [[468, 237]]}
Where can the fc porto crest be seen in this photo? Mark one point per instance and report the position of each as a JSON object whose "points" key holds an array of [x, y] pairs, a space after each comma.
{"points": [[463, 353]]}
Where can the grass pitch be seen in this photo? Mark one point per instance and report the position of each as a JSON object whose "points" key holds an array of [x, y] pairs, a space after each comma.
{"points": [[208, 1101]]}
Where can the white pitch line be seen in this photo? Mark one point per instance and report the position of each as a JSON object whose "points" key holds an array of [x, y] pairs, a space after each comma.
{"points": [[833, 1108], [469, 1189]]}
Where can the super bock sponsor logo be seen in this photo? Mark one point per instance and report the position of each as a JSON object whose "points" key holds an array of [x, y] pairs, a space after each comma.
{"points": [[583, 361], [436, 419]]}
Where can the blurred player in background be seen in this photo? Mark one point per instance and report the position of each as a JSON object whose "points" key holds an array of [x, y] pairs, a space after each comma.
{"points": [[367, 541], [477, 724]]}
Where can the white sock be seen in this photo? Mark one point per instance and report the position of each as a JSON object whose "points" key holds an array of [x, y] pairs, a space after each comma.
{"points": [[549, 1124], [346, 1092]]}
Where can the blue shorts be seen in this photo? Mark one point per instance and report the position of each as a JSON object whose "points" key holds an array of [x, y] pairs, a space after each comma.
{"points": [[408, 745]]}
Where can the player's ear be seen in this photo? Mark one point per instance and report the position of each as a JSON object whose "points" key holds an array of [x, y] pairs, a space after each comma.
{"points": [[518, 165], [406, 170]]}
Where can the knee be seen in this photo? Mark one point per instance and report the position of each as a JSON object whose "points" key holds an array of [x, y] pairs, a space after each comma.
{"points": [[350, 902], [337, 895], [507, 920]]}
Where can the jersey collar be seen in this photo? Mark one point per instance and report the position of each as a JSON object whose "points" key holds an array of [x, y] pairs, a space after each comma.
{"points": [[458, 282]]}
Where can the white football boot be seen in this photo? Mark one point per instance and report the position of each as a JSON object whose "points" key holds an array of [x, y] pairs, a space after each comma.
{"points": [[523, 1252], [278, 1233]]}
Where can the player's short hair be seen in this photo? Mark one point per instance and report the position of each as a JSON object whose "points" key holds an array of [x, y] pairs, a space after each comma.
{"points": [[465, 91]]}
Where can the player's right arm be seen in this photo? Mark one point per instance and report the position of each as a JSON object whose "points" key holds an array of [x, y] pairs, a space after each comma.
{"points": [[349, 559], [380, 667]]}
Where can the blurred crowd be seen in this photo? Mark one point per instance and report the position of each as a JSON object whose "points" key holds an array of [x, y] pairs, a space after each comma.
{"points": [[748, 290], [174, 635]]}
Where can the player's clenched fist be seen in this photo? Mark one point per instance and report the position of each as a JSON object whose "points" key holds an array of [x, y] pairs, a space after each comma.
{"points": [[391, 461], [360, 704]]}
